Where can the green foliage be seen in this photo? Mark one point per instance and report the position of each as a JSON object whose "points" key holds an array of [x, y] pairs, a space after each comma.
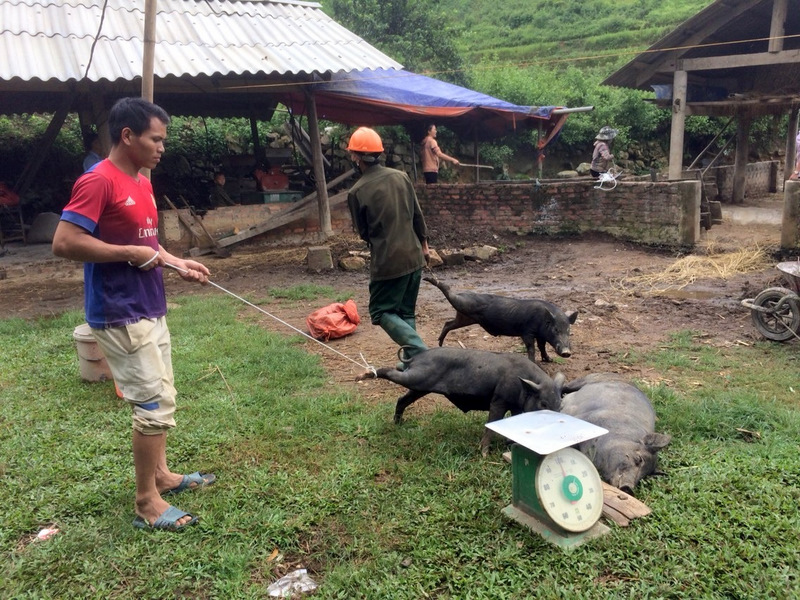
{"points": [[547, 29], [623, 109], [416, 33], [313, 474]]}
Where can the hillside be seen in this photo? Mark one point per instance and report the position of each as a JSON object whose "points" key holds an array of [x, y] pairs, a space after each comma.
{"points": [[548, 31]]}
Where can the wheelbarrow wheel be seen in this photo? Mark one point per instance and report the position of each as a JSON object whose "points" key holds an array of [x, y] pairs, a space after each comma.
{"points": [[782, 322]]}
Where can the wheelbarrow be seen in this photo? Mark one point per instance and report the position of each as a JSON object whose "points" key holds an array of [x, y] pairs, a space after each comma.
{"points": [[776, 310]]}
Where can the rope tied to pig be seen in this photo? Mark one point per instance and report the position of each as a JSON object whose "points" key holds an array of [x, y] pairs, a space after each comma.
{"points": [[363, 364]]}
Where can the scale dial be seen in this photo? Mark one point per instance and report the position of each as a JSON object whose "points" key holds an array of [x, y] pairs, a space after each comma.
{"points": [[569, 489]]}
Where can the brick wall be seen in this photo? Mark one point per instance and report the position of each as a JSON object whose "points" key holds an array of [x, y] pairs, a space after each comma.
{"points": [[652, 213], [647, 212]]}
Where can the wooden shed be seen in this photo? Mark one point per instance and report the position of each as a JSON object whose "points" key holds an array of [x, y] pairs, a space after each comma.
{"points": [[735, 58]]}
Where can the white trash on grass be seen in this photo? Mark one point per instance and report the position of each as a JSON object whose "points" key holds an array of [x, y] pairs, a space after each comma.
{"points": [[296, 581]]}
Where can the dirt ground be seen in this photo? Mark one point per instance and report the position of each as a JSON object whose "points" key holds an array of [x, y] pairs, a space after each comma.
{"points": [[595, 275]]}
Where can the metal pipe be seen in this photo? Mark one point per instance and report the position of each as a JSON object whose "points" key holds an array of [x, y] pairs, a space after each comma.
{"points": [[566, 111], [476, 166]]}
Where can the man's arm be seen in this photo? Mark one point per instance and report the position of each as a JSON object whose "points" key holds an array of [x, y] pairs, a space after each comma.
{"points": [[75, 243]]}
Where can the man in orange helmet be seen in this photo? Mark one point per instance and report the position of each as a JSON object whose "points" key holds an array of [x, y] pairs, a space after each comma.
{"points": [[386, 214]]}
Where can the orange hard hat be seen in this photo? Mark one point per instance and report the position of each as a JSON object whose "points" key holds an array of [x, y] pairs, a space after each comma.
{"points": [[366, 140]]}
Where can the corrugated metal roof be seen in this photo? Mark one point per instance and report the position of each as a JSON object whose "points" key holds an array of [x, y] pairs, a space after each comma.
{"points": [[53, 40]]}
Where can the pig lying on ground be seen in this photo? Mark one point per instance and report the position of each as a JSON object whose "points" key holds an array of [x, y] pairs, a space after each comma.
{"points": [[475, 380], [627, 453], [533, 320]]}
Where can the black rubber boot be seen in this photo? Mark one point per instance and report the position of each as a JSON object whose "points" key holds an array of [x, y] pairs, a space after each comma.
{"points": [[403, 334]]}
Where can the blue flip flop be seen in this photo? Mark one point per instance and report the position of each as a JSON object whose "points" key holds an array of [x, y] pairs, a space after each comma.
{"points": [[166, 520], [197, 478]]}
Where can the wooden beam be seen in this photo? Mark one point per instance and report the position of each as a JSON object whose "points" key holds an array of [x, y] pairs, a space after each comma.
{"points": [[298, 210], [31, 169], [692, 39], [319, 169], [733, 61], [777, 28]]}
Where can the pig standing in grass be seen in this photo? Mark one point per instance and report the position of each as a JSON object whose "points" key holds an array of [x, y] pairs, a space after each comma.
{"points": [[533, 320], [475, 380], [628, 452]]}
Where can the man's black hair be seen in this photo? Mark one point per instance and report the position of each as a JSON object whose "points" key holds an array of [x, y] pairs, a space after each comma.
{"points": [[134, 113], [370, 158], [88, 139]]}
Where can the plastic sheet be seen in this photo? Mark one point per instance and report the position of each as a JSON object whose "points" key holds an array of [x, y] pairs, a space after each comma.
{"points": [[291, 583]]}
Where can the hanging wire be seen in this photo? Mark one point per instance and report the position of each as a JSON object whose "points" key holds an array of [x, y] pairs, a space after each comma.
{"points": [[96, 37]]}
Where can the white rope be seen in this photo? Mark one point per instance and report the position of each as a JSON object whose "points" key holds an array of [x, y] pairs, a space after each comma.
{"points": [[364, 365], [609, 176]]}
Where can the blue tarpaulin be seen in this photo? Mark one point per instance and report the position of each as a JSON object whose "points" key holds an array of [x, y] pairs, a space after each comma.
{"points": [[399, 97]]}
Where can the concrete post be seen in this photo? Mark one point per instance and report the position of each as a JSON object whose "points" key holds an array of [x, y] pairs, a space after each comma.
{"points": [[790, 225], [689, 232], [740, 159]]}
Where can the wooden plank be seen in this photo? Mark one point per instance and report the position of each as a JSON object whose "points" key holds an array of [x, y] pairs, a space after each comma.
{"points": [[624, 503], [190, 225], [299, 210], [613, 514], [740, 60]]}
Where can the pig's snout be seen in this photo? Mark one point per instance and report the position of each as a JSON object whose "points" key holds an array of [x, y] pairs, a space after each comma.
{"points": [[565, 352], [626, 484]]}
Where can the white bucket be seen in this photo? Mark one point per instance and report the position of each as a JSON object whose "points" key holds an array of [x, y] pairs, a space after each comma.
{"points": [[92, 361]]}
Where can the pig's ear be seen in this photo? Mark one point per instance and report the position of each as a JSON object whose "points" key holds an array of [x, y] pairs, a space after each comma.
{"points": [[559, 381], [572, 317], [531, 384], [656, 441]]}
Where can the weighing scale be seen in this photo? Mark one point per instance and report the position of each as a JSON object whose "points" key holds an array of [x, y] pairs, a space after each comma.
{"points": [[556, 490]]}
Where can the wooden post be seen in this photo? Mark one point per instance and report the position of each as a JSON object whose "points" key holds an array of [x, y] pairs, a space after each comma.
{"points": [[777, 28], [258, 151], [679, 85], [148, 56], [149, 51], [740, 160], [319, 170]]}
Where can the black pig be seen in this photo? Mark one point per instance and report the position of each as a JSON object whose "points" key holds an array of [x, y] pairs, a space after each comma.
{"points": [[475, 380], [628, 452], [533, 320]]}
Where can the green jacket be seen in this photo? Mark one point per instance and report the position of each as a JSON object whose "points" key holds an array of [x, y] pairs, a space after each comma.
{"points": [[386, 214]]}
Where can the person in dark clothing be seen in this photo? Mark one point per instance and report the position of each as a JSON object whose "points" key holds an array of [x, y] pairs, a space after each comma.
{"points": [[219, 196], [602, 158], [387, 215]]}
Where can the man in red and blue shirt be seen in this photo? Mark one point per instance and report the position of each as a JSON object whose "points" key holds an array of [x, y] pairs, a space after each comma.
{"points": [[111, 224]]}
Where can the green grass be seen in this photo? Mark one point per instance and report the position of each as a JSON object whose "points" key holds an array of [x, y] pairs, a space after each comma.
{"points": [[310, 475]]}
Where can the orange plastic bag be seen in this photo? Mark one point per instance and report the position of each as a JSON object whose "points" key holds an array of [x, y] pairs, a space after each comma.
{"points": [[333, 321]]}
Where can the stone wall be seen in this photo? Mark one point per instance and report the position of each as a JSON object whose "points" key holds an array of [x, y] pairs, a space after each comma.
{"points": [[665, 213], [760, 178]]}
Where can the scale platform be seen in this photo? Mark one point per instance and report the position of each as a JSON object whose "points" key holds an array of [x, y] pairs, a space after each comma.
{"points": [[557, 491], [546, 431]]}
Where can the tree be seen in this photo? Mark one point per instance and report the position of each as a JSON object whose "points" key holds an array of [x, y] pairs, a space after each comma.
{"points": [[416, 33]]}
